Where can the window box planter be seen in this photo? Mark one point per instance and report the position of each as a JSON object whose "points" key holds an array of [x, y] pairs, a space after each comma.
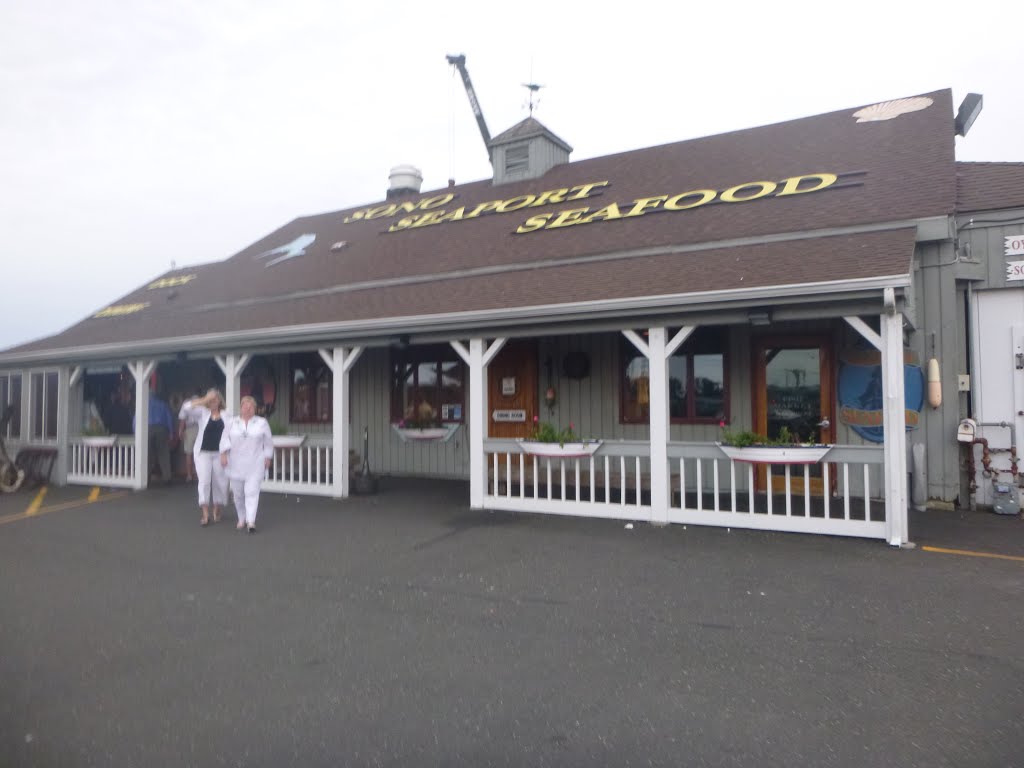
{"points": [[288, 441], [427, 434], [99, 441], [561, 450], [776, 454]]}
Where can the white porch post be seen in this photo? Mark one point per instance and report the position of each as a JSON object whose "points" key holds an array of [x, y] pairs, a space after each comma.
{"points": [[232, 366], [894, 418], [659, 424], [340, 360], [477, 358], [657, 349], [140, 371], [68, 379], [895, 429]]}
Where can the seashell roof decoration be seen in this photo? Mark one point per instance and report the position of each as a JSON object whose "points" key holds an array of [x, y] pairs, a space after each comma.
{"points": [[887, 110]]}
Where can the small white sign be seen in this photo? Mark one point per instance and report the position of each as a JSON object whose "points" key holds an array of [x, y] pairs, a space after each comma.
{"points": [[1014, 245], [509, 415], [508, 386], [451, 412], [1015, 270]]}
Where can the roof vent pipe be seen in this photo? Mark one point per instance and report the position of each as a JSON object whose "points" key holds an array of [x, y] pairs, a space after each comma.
{"points": [[405, 180]]}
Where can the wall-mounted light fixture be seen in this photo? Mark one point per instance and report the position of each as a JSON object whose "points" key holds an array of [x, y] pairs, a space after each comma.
{"points": [[759, 317]]}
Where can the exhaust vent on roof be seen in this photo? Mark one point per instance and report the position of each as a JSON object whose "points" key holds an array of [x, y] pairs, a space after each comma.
{"points": [[405, 180]]}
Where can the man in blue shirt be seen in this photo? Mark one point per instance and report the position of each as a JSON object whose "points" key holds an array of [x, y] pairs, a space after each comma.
{"points": [[161, 428]]}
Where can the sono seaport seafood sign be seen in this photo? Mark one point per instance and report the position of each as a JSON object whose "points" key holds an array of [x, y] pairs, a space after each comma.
{"points": [[428, 212]]}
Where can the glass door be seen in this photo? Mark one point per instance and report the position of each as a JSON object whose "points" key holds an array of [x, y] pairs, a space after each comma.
{"points": [[793, 396]]}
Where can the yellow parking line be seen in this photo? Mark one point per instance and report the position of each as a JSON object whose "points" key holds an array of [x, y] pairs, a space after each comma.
{"points": [[969, 553], [36, 502], [94, 493], [58, 507]]}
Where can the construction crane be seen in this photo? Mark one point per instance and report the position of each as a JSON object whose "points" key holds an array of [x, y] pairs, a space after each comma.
{"points": [[459, 62]]}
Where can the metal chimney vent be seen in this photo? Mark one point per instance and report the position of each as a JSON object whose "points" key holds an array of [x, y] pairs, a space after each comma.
{"points": [[405, 180]]}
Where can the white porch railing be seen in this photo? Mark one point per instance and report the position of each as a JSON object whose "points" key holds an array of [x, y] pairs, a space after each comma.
{"points": [[112, 466], [706, 488], [615, 482], [306, 469], [710, 489]]}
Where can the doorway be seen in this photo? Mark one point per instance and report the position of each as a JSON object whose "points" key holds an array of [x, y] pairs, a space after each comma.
{"points": [[512, 390], [793, 393]]}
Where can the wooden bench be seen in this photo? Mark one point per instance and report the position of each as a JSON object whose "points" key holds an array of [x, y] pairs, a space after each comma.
{"points": [[37, 463]]}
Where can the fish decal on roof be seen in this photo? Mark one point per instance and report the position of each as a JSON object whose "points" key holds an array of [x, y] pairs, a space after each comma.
{"points": [[296, 247]]}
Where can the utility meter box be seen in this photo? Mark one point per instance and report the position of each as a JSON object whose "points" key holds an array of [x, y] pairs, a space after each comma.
{"points": [[1005, 498], [967, 430]]}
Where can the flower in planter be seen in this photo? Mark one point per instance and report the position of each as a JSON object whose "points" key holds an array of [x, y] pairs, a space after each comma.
{"points": [[545, 432], [422, 417]]}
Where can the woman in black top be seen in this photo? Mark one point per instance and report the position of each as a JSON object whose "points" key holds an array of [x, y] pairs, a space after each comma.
{"points": [[208, 411]]}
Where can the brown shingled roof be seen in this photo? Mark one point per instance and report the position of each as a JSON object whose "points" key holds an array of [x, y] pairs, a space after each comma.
{"points": [[989, 186], [891, 173]]}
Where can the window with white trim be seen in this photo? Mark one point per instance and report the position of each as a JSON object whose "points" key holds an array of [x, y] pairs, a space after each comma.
{"points": [[428, 386], [310, 390], [698, 381], [43, 405], [10, 397]]}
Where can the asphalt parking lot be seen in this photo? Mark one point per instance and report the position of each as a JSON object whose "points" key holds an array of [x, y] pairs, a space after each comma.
{"points": [[406, 629]]}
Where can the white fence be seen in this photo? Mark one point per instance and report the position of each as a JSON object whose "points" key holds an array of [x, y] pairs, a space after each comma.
{"points": [[108, 465], [706, 488], [306, 469]]}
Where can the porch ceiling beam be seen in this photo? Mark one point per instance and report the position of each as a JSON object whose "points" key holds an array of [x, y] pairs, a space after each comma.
{"points": [[639, 343], [76, 375], [488, 354], [232, 366], [354, 354], [461, 350], [865, 330], [493, 349], [678, 339], [141, 369], [328, 357]]}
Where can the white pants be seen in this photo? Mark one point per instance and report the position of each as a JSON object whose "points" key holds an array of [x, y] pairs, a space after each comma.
{"points": [[246, 491], [208, 469]]}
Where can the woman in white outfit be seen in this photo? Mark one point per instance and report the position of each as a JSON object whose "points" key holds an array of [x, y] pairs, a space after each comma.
{"points": [[246, 449], [208, 413]]}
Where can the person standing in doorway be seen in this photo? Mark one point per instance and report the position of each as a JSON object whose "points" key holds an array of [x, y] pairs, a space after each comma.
{"points": [[208, 414], [161, 433], [246, 450]]}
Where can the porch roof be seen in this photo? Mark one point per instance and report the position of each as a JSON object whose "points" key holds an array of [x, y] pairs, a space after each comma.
{"points": [[716, 220], [806, 270]]}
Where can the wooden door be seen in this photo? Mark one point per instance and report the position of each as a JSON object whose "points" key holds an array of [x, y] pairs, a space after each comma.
{"points": [[794, 389], [512, 390]]}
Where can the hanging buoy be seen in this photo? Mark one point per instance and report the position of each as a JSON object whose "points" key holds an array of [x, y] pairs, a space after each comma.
{"points": [[934, 384]]}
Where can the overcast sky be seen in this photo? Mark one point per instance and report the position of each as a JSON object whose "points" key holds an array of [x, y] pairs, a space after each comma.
{"points": [[134, 133]]}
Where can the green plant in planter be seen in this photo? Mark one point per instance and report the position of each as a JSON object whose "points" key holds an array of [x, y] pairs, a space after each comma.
{"points": [[746, 439], [545, 432], [277, 428], [413, 422], [94, 430]]}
